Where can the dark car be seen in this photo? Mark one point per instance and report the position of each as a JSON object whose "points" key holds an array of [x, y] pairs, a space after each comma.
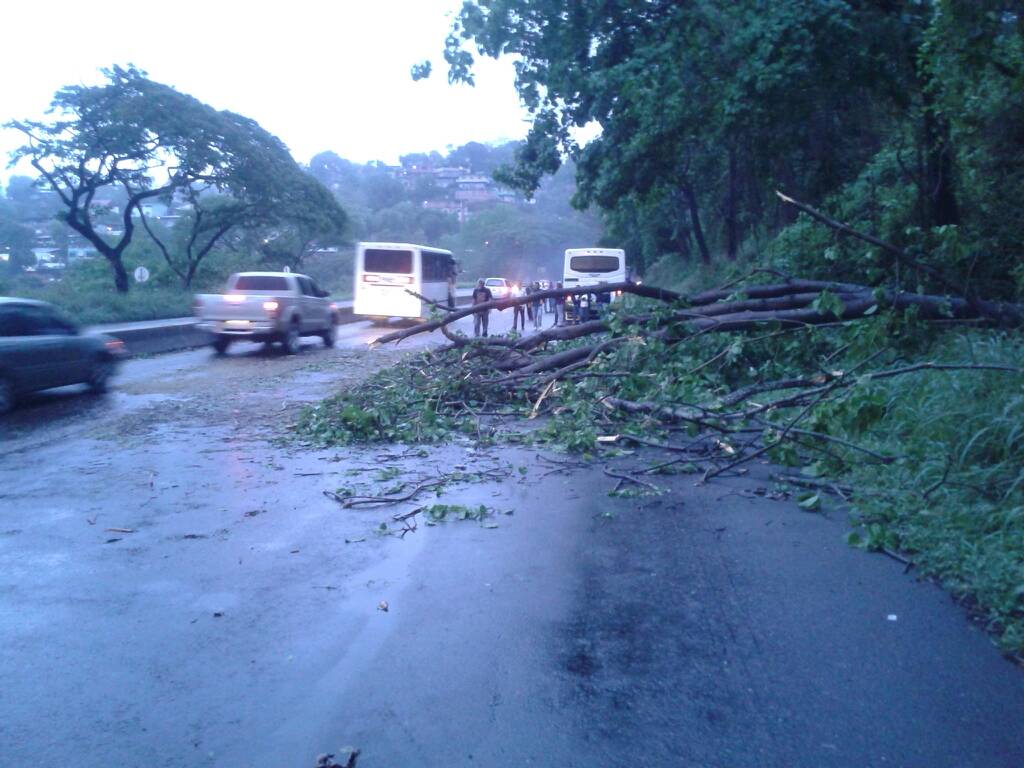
{"points": [[40, 349]]}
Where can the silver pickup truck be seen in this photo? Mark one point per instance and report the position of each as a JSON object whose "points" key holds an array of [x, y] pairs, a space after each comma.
{"points": [[268, 307]]}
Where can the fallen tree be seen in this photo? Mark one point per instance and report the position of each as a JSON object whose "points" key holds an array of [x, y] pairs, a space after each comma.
{"points": [[756, 414]]}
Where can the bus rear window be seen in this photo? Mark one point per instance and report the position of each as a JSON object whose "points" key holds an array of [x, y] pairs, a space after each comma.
{"points": [[595, 263], [260, 283], [380, 260]]}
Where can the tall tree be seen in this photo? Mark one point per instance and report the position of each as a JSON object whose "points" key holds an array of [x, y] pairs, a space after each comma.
{"points": [[149, 140], [16, 238], [708, 106]]}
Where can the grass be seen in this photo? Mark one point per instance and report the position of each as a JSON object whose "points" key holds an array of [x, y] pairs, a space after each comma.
{"points": [[954, 502], [88, 305]]}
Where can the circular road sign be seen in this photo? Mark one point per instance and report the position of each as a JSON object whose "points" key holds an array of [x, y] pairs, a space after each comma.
{"points": [[141, 274], [286, 268]]}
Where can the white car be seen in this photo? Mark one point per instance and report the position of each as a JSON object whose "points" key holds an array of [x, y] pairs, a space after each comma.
{"points": [[500, 287], [267, 307]]}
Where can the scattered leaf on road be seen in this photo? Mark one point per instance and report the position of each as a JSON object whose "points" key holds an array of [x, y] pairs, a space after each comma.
{"points": [[810, 502]]}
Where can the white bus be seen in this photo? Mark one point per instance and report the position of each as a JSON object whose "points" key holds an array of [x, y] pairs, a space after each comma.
{"points": [[592, 266], [386, 272]]}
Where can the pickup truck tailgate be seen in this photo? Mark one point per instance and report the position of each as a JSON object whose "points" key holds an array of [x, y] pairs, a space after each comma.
{"points": [[233, 307]]}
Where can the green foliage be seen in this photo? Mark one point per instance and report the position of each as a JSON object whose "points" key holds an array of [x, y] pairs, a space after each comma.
{"points": [[93, 303], [408, 403], [441, 513], [955, 498], [16, 239], [901, 118]]}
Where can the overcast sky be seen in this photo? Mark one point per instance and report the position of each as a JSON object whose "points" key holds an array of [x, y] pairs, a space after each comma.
{"points": [[320, 75]]}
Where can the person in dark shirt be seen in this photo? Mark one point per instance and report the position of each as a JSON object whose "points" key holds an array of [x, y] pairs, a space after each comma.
{"points": [[538, 308], [481, 294]]}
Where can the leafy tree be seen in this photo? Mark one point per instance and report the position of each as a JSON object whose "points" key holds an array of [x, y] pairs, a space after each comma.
{"points": [[421, 159], [707, 107], [16, 238], [149, 140], [285, 217], [481, 158], [28, 202], [382, 191], [411, 222]]}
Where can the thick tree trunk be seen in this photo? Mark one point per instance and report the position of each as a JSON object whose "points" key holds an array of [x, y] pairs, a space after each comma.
{"points": [[939, 191], [732, 235], [121, 281], [698, 230], [111, 254]]}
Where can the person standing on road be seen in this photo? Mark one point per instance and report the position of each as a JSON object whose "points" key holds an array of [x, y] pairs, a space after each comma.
{"points": [[481, 294], [576, 308], [538, 308], [556, 305], [519, 313], [586, 308]]}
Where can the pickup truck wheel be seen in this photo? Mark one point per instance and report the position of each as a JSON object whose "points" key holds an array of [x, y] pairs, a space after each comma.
{"points": [[291, 342], [330, 336], [99, 375], [221, 344], [6, 395]]}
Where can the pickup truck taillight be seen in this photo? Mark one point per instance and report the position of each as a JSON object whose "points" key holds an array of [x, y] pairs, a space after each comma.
{"points": [[271, 308]]}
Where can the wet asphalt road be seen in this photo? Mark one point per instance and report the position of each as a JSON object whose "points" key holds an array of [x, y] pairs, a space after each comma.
{"points": [[176, 590]]}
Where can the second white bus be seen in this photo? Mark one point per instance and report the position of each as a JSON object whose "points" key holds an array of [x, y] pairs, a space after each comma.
{"points": [[385, 273], [592, 266]]}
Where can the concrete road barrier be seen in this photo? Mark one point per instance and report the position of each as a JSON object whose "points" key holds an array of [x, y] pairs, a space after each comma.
{"points": [[155, 336]]}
